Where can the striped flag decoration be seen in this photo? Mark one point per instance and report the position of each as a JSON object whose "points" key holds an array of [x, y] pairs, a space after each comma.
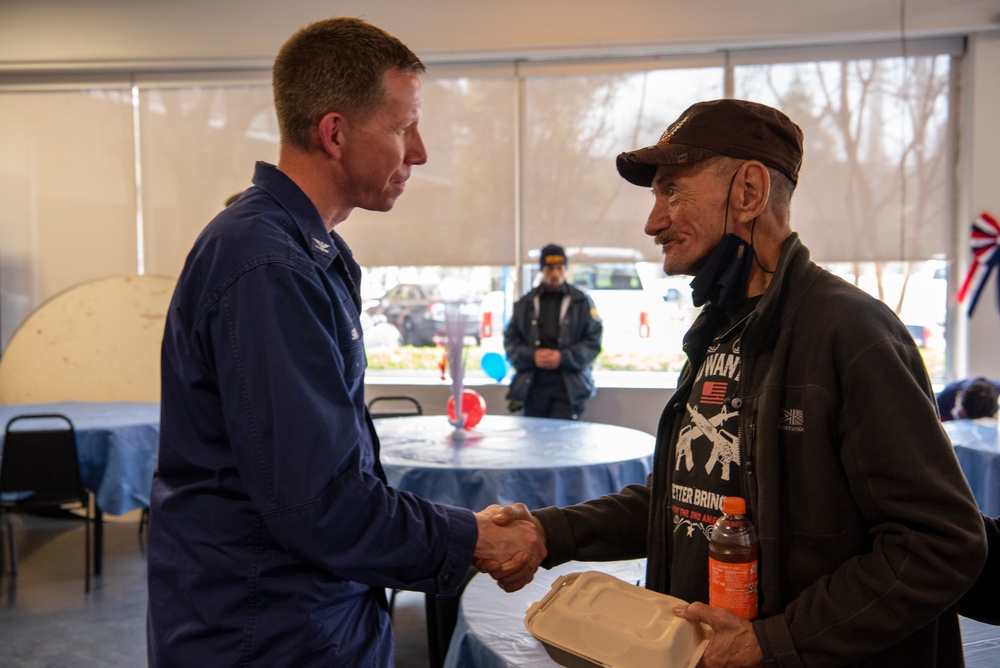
{"points": [[984, 242]]}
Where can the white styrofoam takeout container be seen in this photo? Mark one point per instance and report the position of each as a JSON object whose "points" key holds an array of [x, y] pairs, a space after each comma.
{"points": [[592, 620]]}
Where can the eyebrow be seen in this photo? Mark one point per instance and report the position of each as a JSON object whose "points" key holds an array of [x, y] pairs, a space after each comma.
{"points": [[662, 180]]}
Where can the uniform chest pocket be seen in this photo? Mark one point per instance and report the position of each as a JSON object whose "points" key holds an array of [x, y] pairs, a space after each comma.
{"points": [[350, 339]]}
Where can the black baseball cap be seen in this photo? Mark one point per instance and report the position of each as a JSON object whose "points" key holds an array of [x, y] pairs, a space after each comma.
{"points": [[551, 254], [734, 128]]}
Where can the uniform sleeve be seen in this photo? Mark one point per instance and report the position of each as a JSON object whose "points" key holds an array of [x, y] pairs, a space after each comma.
{"points": [[291, 361]]}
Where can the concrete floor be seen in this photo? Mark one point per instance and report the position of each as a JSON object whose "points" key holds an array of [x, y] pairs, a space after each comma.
{"points": [[46, 620]]}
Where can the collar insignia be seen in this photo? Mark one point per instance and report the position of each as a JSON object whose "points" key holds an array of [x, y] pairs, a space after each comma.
{"points": [[321, 246]]}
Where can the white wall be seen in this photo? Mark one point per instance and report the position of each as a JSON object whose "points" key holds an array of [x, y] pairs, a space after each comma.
{"points": [[39, 33], [982, 148]]}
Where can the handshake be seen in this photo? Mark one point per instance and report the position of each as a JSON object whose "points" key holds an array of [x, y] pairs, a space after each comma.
{"points": [[511, 545]]}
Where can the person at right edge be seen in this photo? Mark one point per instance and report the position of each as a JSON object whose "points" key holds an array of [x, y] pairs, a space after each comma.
{"points": [[801, 394]]}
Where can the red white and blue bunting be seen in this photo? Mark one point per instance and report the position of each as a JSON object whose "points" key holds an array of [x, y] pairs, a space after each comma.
{"points": [[984, 242]]}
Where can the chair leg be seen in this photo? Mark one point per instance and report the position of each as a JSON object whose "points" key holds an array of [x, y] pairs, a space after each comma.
{"points": [[143, 522], [86, 548], [442, 617], [98, 539], [11, 551], [392, 602]]}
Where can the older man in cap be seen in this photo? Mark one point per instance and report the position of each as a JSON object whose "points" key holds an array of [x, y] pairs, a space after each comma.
{"points": [[801, 394]]}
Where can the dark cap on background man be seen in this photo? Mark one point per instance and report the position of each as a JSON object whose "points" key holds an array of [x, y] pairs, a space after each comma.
{"points": [[735, 128], [550, 255]]}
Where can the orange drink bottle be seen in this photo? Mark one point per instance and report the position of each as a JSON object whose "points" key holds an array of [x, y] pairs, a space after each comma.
{"points": [[732, 560]]}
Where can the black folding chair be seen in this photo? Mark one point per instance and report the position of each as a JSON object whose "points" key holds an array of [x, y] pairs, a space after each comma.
{"points": [[40, 469], [399, 406]]}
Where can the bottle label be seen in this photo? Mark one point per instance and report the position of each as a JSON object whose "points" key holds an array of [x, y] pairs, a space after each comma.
{"points": [[733, 586]]}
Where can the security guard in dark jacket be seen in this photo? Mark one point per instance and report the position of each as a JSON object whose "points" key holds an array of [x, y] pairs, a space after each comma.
{"points": [[552, 341]]}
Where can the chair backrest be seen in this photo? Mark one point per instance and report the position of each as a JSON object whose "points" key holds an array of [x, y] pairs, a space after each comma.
{"points": [[410, 406], [41, 460]]}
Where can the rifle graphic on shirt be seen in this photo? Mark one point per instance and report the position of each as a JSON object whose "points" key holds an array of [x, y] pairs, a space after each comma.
{"points": [[726, 447]]}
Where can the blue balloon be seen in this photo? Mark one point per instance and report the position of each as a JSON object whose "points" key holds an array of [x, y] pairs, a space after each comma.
{"points": [[495, 366]]}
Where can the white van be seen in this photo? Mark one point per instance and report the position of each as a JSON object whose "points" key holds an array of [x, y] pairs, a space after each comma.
{"points": [[642, 309]]}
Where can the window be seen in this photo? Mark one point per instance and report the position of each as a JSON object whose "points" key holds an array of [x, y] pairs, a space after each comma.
{"points": [[521, 155], [67, 195]]}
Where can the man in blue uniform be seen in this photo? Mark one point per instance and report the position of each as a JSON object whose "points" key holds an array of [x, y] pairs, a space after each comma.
{"points": [[273, 534]]}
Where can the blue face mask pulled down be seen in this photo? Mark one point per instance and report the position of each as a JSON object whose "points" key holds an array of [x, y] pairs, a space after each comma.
{"points": [[723, 279]]}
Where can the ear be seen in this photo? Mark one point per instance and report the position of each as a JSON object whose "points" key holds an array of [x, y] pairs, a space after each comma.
{"points": [[751, 191], [332, 134]]}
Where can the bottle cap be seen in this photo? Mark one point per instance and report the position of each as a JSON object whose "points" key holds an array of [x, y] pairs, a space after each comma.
{"points": [[734, 505]]}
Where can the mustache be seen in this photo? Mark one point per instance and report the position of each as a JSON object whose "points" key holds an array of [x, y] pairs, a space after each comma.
{"points": [[662, 238]]}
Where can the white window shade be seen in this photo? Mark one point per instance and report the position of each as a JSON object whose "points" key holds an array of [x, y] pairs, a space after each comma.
{"points": [[575, 127], [67, 194], [874, 184], [459, 208], [199, 146]]}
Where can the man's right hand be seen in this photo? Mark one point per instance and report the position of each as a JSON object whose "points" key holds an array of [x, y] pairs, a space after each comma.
{"points": [[517, 571], [547, 358]]}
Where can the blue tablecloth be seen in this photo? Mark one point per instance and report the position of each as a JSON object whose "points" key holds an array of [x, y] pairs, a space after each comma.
{"points": [[504, 459], [977, 446], [490, 632], [117, 443]]}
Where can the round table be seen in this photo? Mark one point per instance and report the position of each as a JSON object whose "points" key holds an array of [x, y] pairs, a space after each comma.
{"points": [[117, 443], [977, 446], [505, 459], [490, 632]]}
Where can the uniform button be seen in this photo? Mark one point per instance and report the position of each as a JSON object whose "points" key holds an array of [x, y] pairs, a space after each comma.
{"points": [[538, 343], [736, 403]]}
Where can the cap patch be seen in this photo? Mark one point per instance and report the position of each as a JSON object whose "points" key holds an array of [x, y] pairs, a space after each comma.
{"points": [[671, 131]]}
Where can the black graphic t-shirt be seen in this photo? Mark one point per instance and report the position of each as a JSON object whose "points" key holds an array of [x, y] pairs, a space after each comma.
{"points": [[707, 462]]}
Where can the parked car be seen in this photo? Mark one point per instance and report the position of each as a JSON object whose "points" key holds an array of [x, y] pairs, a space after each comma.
{"points": [[642, 309], [494, 313], [418, 311], [927, 336]]}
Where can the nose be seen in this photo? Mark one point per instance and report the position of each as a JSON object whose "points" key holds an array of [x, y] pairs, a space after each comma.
{"points": [[657, 220], [416, 153]]}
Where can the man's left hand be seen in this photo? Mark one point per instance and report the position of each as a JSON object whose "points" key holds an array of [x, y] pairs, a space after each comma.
{"points": [[733, 644], [547, 358]]}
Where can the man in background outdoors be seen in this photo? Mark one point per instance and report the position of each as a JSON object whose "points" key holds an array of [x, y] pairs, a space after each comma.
{"points": [[273, 533], [552, 340]]}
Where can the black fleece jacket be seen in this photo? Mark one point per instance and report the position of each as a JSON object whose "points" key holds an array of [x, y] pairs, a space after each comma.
{"points": [[869, 532]]}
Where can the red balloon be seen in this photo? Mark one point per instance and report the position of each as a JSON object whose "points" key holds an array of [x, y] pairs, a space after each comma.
{"points": [[473, 408]]}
